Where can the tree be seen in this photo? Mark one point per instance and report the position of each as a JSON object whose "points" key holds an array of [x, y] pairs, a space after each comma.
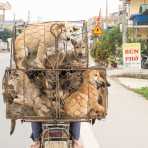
{"points": [[107, 45], [144, 47], [5, 34]]}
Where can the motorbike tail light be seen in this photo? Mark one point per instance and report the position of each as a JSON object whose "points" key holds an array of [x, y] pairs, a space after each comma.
{"points": [[55, 133]]}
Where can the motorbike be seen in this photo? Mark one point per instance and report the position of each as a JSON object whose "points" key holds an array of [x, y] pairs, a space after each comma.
{"points": [[56, 136], [56, 126], [144, 61]]}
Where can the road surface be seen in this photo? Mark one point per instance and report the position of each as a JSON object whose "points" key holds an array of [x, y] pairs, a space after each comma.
{"points": [[20, 138], [125, 127], [127, 123]]}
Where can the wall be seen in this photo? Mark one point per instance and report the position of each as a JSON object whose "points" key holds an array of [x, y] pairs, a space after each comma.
{"points": [[135, 5]]}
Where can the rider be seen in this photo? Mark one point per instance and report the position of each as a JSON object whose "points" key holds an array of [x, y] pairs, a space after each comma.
{"points": [[37, 131]]}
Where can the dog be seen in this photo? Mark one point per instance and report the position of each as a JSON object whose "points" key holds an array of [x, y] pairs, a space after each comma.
{"points": [[76, 57], [54, 60], [34, 41], [25, 92], [32, 44], [79, 47], [20, 91], [84, 101]]}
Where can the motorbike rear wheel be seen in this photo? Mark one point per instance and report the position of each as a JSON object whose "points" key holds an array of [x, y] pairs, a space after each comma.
{"points": [[144, 65]]}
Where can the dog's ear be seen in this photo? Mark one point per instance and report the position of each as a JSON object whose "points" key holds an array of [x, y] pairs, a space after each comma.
{"points": [[102, 74]]}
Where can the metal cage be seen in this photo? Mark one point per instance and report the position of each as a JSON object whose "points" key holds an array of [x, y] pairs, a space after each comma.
{"points": [[42, 91]]}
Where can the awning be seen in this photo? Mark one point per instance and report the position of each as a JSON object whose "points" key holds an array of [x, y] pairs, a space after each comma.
{"points": [[139, 19]]}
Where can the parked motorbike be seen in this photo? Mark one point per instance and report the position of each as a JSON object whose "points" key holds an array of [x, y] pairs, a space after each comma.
{"points": [[144, 61]]}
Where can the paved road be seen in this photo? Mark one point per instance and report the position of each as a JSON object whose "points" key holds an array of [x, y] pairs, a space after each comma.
{"points": [[127, 123], [20, 138], [125, 127]]}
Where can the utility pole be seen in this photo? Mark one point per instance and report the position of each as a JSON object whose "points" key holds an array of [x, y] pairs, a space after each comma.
{"points": [[106, 19], [124, 22], [3, 8], [28, 18], [3, 18], [85, 38]]}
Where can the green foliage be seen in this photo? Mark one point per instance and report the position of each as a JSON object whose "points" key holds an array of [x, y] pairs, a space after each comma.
{"points": [[107, 45], [5, 34], [100, 52], [113, 39], [143, 91], [144, 45]]}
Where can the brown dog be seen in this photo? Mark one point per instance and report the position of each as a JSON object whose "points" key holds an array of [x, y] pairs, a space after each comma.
{"points": [[34, 41], [24, 92], [85, 100]]}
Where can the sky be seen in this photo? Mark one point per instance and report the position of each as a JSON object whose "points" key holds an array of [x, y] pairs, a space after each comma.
{"points": [[59, 9]]}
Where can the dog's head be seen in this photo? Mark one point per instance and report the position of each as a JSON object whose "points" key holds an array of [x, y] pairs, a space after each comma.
{"points": [[58, 30], [15, 82], [94, 77], [79, 47], [71, 29], [14, 77], [64, 30]]}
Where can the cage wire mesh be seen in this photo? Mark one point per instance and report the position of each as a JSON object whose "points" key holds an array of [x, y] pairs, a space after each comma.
{"points": [[52, 91]]}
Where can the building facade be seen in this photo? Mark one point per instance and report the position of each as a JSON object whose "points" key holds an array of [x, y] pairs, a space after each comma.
{"points": [[134, 5], [138, 19]]}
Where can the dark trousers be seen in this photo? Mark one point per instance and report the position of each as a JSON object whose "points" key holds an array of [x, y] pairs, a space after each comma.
{"points": [[37, 130]]}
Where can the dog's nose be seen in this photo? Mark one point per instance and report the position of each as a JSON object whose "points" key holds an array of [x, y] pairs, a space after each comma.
{"points": [[80, 55], [68, 38], [100, 84]]}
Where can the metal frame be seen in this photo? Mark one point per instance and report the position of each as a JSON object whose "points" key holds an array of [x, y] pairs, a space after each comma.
{"points": [[58, 118]]}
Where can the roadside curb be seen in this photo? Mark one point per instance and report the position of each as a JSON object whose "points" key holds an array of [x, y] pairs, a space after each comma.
{"points": [[126, 87], [138, 76], [119, 82]]}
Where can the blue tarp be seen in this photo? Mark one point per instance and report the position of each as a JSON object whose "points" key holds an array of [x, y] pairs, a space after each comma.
{"points": [[139, 19]]}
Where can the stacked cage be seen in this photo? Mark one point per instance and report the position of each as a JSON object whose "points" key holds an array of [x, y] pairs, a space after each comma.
{"points": [[50, 78]]}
